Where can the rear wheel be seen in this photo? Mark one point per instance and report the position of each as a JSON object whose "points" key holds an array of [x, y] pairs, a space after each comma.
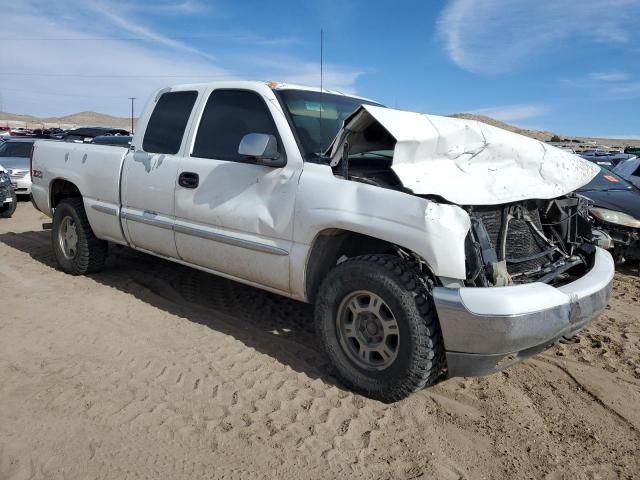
{"points": [[8, 209], [76, 248], [376, 320]]}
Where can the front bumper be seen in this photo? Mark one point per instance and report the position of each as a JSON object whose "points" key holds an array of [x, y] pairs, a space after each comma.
{"points": [[488, 329]]}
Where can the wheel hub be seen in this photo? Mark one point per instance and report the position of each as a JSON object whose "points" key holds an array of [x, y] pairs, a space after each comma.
{"points": [[367, 330], [68, 238], [370, 328]]}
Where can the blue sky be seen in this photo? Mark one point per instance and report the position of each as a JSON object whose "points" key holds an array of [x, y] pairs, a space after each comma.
{"points": [[563, 65]]}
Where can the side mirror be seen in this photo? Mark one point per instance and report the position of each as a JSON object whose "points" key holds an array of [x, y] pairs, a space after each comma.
{"points": [[262, 147]]}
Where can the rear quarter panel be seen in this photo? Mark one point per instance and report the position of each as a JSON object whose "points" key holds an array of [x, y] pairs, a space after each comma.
{"points": [[94, 170]]}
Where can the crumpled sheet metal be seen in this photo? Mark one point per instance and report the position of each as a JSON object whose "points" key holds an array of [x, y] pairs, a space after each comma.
{"points": [[465, 161]]}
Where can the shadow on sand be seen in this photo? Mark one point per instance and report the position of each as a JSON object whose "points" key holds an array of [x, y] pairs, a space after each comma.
{"points": [[274, 325]]}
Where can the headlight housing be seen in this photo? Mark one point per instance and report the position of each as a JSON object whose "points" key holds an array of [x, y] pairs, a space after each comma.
{"points": [[618, 218], [4, 179]]}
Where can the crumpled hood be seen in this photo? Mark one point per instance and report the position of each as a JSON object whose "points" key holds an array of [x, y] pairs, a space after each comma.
{"points": [[465, 161]]}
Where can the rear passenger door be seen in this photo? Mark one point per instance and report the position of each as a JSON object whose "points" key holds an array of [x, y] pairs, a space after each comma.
{"points": [[149, 176], [237, 220]]}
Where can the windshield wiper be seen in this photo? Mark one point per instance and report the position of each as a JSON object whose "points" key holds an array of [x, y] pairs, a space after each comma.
{"points": [[317, 157], [375, 154]]}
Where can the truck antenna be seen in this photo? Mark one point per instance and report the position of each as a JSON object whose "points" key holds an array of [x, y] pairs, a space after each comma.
{"points": [[132, 100], [321, 89]]}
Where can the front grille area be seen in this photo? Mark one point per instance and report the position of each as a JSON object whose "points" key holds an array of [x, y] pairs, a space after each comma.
{"points": [[521, 241]]}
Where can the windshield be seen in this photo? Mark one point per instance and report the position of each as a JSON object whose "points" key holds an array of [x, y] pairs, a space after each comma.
{"points": [[606, 181], [16, 149], [306, 110]]}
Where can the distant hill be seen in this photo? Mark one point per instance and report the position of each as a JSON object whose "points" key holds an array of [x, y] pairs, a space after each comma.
{"points": [[541, 134], [537, 134], [73, 120], [92, 118]]}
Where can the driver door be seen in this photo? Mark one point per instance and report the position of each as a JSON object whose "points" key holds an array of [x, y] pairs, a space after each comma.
{"points": [[234, 216]]}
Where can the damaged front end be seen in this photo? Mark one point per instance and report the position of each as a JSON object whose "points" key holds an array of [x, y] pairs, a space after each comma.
{"points": [[527, 225], [529, 236], [547, 241]]}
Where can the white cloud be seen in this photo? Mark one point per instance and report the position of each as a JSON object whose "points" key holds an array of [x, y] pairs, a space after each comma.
{"points": [[513, 113], [296, 71], [107, 11], [609, 76], [493, 36], [53, 78], [109, 55], [625, 91]]}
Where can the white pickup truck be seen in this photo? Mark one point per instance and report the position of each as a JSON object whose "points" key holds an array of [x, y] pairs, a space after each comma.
{"points": [[431, 247]]}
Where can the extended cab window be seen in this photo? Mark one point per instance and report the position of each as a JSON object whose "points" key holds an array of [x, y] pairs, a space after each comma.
{"points": [[228, 116], [168, 121]]}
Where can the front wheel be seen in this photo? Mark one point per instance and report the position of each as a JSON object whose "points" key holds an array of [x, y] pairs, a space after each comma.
{"points": [[376, 321], [76, 248]]}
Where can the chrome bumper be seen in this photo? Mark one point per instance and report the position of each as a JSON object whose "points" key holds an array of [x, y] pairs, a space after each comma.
{"points": [[488, 329]]}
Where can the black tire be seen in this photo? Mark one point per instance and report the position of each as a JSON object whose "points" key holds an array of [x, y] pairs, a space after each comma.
{"points": [[91, 252], [420, 353], [8, 209]]}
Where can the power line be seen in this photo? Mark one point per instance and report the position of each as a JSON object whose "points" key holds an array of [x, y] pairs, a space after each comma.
{"points": [[82, 39], [58, 94], [83, 75]]}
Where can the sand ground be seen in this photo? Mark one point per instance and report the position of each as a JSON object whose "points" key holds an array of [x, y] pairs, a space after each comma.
{"points": [[153, 370]]}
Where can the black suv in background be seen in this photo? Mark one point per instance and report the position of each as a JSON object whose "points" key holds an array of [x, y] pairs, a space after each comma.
{"points": [[87, 134]]}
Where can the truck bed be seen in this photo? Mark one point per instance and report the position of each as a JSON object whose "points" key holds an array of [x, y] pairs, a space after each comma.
{"points": [[94, 169]]}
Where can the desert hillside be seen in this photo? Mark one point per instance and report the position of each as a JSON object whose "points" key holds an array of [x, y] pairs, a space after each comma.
{"points": [[541, 134], [66, 121]]}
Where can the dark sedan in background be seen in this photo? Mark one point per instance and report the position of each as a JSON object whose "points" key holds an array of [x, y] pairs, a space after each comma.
{"points": [[616, 211]]}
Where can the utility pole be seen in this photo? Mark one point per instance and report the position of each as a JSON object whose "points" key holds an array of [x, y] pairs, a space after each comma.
{"points": [[132, 100]]}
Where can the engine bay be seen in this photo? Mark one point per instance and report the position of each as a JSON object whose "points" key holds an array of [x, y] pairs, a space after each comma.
{"points": [[548, 241]]}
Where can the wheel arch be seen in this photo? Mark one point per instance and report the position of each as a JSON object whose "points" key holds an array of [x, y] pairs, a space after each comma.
{"points": [[332, 244], [61, 188]]}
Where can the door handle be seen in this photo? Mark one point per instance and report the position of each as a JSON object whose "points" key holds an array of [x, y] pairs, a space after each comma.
{"points": [[188, 180]]}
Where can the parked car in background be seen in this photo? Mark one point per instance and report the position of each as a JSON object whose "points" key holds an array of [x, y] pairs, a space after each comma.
{"points": [[633, 151], [5, 132], [8, 200], [629, 169], [20, 132], [57, 133], [87, 134], [616, 211], [14, 157], [115, 140], [608, 160]]}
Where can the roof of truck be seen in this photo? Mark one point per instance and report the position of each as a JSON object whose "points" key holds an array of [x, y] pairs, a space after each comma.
{"points": [[273, 85]]}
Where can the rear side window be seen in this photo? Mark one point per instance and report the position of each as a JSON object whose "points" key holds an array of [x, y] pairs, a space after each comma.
{"points": [[228, 116], [16, 149], [168, 121]]}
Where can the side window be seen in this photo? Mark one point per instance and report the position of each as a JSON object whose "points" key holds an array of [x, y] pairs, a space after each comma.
{"points": [[168, 122], [228, 116]]}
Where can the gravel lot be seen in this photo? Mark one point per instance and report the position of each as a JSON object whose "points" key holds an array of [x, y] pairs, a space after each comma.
{"points": [[153, 370]]}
